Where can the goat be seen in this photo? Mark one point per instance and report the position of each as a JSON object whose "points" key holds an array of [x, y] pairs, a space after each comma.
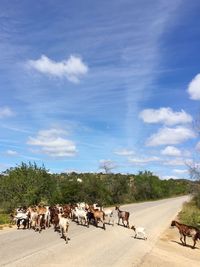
{"points": [[22, 218], [139, 232], [81, 216], [187, 230], [64, 225], [54, 219], [98, 215], [33, 217], [124, 215], [109, 215]]}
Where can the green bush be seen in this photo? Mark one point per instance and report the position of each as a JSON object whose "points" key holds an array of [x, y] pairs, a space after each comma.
{"points": [[190, 214], [29, 184], [4, 218]]}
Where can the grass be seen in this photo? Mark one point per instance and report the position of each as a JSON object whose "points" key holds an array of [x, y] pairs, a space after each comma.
{"points": [[4, 219], [190, 214]]}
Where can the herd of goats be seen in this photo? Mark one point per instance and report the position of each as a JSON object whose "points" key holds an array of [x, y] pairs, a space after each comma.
{"points": [[41, 217]]}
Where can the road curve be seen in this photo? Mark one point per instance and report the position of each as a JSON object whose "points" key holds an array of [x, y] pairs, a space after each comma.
{"points": [[92, 246]]}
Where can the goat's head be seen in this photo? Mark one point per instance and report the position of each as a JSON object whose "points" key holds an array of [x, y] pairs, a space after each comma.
{"points": [[133, 228], [117, 208], [173, 223], [198, 235]]}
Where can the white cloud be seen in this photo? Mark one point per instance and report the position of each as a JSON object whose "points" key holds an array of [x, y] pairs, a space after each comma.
{"points": [[171, 151], [178, 171], [53, 144], [143, 161], [6, 112], [170, 136], [167, 177], [175, 162], [124, 152], [11, 153], [164, 115], [194, 88], [72, 69]]}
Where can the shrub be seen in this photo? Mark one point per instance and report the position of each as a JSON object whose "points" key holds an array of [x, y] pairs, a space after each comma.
{"points": [[190, 214], [4, 218]]}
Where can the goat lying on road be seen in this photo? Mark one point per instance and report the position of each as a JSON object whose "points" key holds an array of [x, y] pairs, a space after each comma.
{"points": [[139, 232]]}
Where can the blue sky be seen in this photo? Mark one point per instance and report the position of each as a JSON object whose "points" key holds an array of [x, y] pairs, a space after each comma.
{"points": [[86, 84]]}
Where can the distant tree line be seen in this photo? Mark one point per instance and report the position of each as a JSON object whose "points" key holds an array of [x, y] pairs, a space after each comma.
{"points": [[29, 184]]}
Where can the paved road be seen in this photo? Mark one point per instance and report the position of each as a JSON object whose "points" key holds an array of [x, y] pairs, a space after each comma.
{"points": [[90, 247]]}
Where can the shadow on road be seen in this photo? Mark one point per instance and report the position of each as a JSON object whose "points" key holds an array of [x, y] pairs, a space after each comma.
{"points": [[188, 246]]}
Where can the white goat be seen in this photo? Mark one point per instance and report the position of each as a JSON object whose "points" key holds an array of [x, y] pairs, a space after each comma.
{"points": [[139, 232], [109, 215], [64, 225]]}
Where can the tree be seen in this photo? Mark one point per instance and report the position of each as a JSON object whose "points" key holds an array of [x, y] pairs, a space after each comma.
{"points": [[26, 184], [107, 165]]}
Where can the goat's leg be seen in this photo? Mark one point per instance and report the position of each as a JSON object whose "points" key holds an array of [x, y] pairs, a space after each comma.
{"points": [[104, 226], [181, 239], [18, 223], [118, 220], [127, 224], [135, 235], [194, 239], [184, 239]]}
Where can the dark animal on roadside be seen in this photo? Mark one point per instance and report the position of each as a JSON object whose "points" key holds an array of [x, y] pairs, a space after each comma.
{"points": [[187, 230], [23, 222], [22, 218], [124, 216], [90, 218], [54, 217]]}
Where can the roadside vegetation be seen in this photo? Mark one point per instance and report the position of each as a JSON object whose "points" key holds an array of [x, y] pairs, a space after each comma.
{"points": [[28, 184], [4, 218], [190, 213]]}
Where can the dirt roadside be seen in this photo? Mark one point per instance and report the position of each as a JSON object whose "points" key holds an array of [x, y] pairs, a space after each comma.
{"points": [[168, 251]]}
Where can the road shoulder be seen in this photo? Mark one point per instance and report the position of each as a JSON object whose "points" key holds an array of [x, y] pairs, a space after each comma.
{"points": [[168, 251]]}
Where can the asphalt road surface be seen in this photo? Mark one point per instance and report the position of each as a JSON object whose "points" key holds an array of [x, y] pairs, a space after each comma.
{"points": [[91, 247]]}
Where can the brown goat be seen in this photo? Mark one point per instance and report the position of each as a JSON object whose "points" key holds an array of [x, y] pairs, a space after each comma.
{"points": [[99, 215], [187, 230], [124, 215]]}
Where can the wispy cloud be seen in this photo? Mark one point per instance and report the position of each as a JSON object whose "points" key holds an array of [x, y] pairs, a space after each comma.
{"points": [[175, 162], [143, 161], [53, 144], [6, 112], [179, 171], [124, 152], [72, 69], [194, 88], [170, 136], [11, 153]]}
